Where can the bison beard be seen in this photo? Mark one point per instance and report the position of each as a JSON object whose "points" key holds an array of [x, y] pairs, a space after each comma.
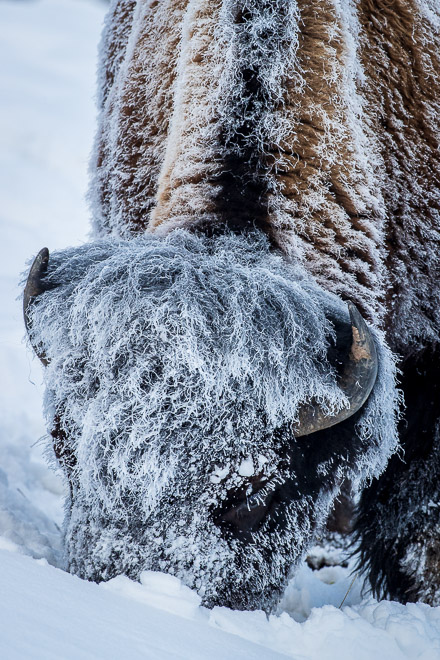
{"points": [[176, 369]]}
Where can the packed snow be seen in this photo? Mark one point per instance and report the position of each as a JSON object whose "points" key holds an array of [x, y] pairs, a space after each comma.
{"points": [[47, 82]]}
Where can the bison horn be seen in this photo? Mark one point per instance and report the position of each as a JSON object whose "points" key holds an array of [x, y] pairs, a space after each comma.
{"points": [[356, 381], [35, 287]]}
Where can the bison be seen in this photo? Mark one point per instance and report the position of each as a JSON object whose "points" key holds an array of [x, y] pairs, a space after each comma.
{"points": [[221, 358]]}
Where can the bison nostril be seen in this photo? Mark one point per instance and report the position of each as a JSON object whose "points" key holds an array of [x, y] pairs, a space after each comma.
{"points": [[244, 509], [245, 518]]}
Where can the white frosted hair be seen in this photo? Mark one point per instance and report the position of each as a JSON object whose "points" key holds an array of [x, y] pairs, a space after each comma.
{"points": [[172, 361]]}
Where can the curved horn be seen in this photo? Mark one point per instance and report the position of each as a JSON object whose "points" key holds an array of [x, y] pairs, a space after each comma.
{"points": [[356, 381], [34, 287]]}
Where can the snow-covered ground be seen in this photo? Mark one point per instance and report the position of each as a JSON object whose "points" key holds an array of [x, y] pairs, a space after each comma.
{"points": [[47, 72]]}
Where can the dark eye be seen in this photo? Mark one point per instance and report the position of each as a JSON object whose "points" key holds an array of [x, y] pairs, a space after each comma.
{"points": [[254, 501]]}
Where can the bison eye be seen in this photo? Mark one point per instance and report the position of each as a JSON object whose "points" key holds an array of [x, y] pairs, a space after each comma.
{"points": [[254, 501]]}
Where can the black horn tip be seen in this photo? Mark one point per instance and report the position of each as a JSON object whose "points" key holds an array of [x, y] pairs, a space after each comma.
{"points": [[355, 315], [34, 286], [363, 346], [44, 255], [357, 319]]}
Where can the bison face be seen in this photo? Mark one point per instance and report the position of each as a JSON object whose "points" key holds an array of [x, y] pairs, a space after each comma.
{"points": [[208, 401]]}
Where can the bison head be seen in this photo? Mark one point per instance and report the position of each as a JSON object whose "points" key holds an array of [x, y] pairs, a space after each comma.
{"points": [[209, 398]]}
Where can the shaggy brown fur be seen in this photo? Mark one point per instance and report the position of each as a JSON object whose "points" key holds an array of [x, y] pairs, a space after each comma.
{"points": [[136, 86], [339, 175], [401, 52], [350, 185]]}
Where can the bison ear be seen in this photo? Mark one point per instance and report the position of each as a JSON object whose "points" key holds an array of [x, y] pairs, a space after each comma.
{"points": [[35, 286], [356, 381]]}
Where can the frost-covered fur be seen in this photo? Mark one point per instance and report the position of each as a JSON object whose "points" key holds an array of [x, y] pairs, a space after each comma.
{"points": [[330, 110], [171, 363], [398, 527], [242, 87], [314, 122]]}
